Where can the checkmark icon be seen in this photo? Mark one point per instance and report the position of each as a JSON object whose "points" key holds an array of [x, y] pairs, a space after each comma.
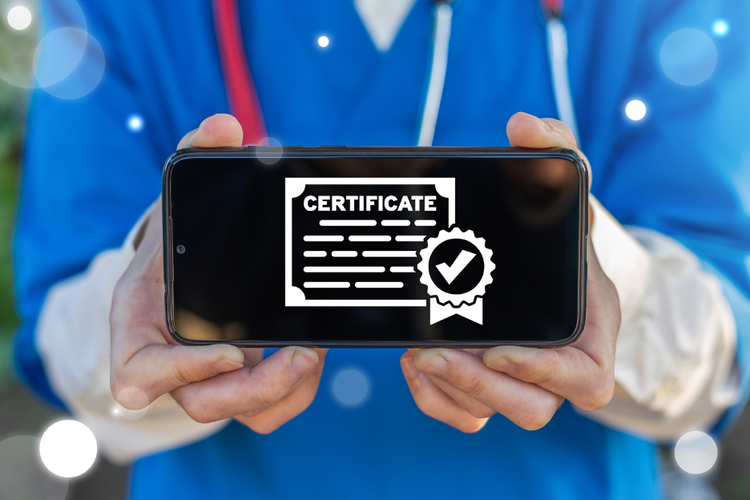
{"points": [[451, 272]]}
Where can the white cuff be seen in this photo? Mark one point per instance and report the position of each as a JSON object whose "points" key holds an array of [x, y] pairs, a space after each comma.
{"points": [[675, 359]]}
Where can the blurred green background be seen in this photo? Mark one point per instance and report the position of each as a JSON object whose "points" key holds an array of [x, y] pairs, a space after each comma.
{"points": [[22, 413], [12, 107]]}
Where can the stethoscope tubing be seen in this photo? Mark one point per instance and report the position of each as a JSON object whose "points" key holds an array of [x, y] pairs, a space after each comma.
{"points": [[557, 53], [245, 105]]}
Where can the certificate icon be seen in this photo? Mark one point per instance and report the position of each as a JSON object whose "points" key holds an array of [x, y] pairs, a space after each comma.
{"points": [[355, 241]]}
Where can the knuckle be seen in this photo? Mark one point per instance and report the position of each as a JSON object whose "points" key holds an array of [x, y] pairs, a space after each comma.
{"points": [[600, 396], [427, 406], [543, 370], [181, 370], [266, 395], [540, 416], [474, 386]]}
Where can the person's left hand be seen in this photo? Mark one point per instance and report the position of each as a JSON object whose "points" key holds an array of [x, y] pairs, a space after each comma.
{"points": [[463, 388]]}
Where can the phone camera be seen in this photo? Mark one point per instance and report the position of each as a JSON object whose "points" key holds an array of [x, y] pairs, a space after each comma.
{"points": [[180, 249]]}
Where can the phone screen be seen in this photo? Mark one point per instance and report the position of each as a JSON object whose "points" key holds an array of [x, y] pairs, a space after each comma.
{"points": [[375, 249]]}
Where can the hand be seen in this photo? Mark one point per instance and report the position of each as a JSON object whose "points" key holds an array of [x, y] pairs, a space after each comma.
{"points": [[211, 382], [463, 388]]}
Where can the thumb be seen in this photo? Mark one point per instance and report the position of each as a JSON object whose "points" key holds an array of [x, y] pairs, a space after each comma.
{"points": [[160, 368], [218, 131], [528, 131]]}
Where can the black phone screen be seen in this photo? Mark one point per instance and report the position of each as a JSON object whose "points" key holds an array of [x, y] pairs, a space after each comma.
{"points": [[375, 248]]}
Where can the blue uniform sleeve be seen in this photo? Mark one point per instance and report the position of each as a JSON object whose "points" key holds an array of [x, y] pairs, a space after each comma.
{"points": [[86, 179], [684, 170]]}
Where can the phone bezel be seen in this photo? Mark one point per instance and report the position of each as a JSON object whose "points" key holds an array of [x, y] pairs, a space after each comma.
{"points": [[380, 152]]}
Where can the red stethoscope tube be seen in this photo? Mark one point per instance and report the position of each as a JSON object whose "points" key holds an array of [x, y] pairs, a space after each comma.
{"points": [[238, 80]]}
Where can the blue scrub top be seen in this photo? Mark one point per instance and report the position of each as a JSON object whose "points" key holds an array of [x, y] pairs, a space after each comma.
{"points": [[87, 179]]}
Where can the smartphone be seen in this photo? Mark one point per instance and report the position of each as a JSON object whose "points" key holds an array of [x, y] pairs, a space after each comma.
{"points": [[355, 247]]}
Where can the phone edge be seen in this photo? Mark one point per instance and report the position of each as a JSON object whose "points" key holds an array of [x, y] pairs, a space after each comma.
{"points": [[342, 151]]}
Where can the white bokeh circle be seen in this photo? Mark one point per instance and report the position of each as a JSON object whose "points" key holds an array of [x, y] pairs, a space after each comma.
{"points": [[696, 452], [68, 448], [18, 66], [22, 475], [350, 387], [19, 17], [323, 41], [635, 110], [68, 63], [135, 123], [721, 28], [272, 151], [688, 57]]}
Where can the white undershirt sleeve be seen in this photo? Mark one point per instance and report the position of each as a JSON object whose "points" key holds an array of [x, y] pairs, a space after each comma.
{"points": [[73, 339], [675, 366]]}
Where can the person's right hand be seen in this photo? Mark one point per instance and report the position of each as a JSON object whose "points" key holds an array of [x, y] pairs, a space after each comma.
{"points": [[210, 382]]}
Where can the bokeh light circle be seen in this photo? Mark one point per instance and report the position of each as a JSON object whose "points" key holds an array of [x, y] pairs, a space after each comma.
{"points": [[19, 17], [721, 27], [323, 41], [688, 57], [696, 452], [635, 110], [350, 387], [68, 448], [69, 63], [135, 123], [22, 475], [272, 151]]}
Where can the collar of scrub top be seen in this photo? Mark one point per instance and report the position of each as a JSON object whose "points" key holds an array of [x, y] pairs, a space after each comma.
{"points": [[245, 106]]}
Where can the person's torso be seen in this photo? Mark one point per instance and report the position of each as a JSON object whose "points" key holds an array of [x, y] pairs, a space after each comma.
{"points": [[350, 93]]}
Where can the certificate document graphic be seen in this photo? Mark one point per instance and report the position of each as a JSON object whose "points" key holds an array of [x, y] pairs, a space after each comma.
{"points": [[355, 241]]}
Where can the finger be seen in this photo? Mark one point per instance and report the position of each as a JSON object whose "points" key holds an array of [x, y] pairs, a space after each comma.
{"points": [[159, 368], [527, 405], [528, 131], [584, 371], [465, 401], [435, 403], [567, 371], [253, 355], [290, 406], [318, 369], [217, 131], [249, 389], [144, 365]]}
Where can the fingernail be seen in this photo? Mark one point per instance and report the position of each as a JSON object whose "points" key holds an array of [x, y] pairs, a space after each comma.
{"points": [[432, 364], [225, 365], [500, 364], [547, 126], [303, 360]]}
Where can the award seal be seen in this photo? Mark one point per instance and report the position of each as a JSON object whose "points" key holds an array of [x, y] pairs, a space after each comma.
{"points": [[456, 266]]}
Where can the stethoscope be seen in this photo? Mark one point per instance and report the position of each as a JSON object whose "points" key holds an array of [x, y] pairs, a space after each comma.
{"points": [[243, 98]]}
